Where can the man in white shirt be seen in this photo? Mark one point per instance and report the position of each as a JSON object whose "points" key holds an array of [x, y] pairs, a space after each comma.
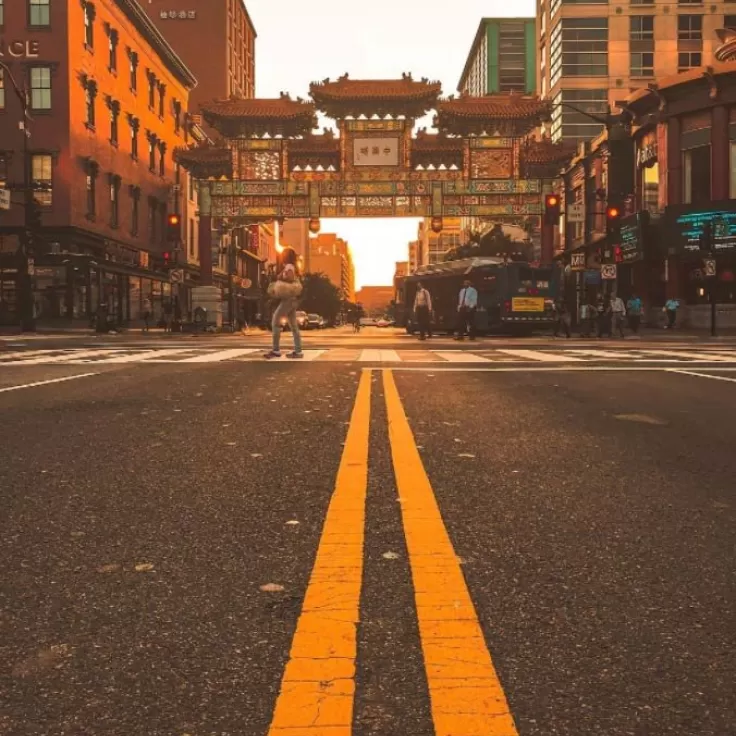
{"points": [[423, 312], [618, 313], [466, 307]]}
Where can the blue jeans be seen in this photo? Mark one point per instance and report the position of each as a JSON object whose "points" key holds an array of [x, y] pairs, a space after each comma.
{"points": [[286, 308]]}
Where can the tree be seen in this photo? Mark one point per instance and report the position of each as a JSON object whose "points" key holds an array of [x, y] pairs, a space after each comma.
{"points": [[320, 296]]}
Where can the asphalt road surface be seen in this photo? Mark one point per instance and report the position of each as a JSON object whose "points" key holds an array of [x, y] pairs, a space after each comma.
{"points": [[388, 538]]}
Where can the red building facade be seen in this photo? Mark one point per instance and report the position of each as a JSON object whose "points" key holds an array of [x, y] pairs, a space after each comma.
{"points": [[108, 98]]}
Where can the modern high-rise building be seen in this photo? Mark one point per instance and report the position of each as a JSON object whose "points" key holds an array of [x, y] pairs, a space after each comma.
{"points": [[216, 39], [502, 58], [594, 54], [331, 256]]}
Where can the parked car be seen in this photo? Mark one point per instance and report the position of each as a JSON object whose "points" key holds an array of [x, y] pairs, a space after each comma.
{"points": [[367, 322], [383, 322], [301, 320], [314, 322]]}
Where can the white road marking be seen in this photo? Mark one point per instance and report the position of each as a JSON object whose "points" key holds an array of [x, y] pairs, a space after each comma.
{"points": [[531, 368], [44, 383], [458, 356], [702, 375], [23, 354], [707, 357], [541, 357], [139, 357], [379, 356], [605, 354], [220, 355], [70, 357]]}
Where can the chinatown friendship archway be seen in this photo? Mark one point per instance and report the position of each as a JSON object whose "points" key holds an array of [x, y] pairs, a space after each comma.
{"points": [[484, 162]]}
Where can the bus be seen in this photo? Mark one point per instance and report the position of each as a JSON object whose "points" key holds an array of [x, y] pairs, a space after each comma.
{"points": [[513, 297]]}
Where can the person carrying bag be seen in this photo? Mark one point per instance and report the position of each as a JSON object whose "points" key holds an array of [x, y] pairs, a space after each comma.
{"points": [[286, 289]]}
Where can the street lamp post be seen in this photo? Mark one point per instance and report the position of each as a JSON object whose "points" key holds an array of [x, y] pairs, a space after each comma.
{"points": [[25, 291]]}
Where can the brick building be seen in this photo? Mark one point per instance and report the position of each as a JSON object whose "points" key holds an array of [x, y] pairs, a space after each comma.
{"points": [[375, 300], [684, 159], [216, 39], [108, 98], [331, 256]]}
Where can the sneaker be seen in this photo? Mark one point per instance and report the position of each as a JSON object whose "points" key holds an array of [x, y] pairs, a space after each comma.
{"points": [[295, 355], [271, 355]]}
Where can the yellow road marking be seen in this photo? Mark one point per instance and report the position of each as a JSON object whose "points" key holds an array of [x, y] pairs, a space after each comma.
{"points": [[318, 688], [466, 694]]}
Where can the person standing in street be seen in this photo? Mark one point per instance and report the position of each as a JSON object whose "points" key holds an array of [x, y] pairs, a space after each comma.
{"points": [[634, 308], [423, 312], [562, 318], [670, 309], [147, 309], [603, 310], [618, 314], [286, 289], [466, 307]]}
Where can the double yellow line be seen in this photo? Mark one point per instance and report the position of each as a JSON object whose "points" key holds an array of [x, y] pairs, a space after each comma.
{"points": [[318, 688]]}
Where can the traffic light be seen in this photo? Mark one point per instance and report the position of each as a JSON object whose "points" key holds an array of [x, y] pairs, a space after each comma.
{"points": [[167, 258], [551, 209], [613, 219], [34, 215], [173, 228], [618, 254]]}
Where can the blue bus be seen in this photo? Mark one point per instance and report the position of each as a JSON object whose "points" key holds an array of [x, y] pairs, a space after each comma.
{"points": [[513, 297]]}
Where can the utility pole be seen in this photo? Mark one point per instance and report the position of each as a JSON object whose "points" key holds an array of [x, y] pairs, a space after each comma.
{"points": [[25, 250]]}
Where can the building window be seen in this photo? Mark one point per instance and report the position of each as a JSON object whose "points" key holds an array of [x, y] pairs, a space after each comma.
{"points": [[91, 185], [133, 70], [689, 2], [689, 27], [579, 48], [112, 41], [696, 171], [641, 27], [40, 88], [689, 60], [151, 152], [650, 188], [191, 237], [114, 106], [38, 13], [177, 116], [162, 159], [161, 100], [2, 88], [134, 124], [190, 178], [2, 12], [42, 176], [114, 185], [729, 21], [642, 63], [151, 90], [511, 56], [135, 197], [642, 2], [570, 111], [90, 95], [89, 25]]}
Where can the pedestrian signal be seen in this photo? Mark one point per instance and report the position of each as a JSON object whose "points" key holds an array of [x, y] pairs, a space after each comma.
{"points": [[551, 209]]}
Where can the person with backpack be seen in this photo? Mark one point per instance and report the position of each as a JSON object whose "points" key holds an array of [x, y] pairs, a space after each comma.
{"points": [[286, 289]]}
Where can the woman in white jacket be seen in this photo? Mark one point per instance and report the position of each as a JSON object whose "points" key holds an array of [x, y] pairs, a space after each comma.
{"points": [[287, 289]]}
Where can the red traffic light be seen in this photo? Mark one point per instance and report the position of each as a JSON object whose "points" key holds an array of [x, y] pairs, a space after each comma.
{"points": [[167, 256], [552, 200], [551, 209], [174, 219], [613, 213]]}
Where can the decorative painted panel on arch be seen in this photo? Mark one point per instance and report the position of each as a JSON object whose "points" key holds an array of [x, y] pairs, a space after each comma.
{"points": [[491, 164]]}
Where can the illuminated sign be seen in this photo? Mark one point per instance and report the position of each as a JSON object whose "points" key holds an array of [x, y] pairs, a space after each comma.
{"points": [[631, 238], [686, 226], [178, 14], [19, 49]]}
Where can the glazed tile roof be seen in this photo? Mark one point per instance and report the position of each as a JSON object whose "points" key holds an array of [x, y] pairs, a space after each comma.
{"points": [[211, 158], [427, 143], [281, 108], [546, 152], [345, 89], [499, 106]]}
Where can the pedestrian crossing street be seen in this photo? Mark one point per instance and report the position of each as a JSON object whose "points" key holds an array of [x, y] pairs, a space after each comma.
{"points": [[147, 355]]}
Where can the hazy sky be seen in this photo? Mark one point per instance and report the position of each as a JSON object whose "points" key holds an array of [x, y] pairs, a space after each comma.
{"points": [[300, 42]]}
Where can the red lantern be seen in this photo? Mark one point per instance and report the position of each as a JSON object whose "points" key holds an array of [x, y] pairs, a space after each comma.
{"points": [[437, 224], [314, 225]]}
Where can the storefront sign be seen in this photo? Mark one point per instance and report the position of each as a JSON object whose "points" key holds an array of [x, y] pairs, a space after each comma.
{"points": [[576, 212], [577, 261], [646, 153], [178, 15], [632, 238], [685, 226], [19, 49]]}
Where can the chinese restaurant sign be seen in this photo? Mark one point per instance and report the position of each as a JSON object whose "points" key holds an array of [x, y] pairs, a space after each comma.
{"points": [[686, 227], [632, 238], [376, 152]]}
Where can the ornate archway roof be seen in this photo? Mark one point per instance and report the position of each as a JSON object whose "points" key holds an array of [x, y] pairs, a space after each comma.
{"points": [[206, 161], [353, 97], [546, 152], [465, 114], [727, 50], [237, 116]]}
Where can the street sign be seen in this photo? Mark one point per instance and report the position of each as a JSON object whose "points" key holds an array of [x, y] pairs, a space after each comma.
{"points": [[177, 276], [576, 212], [608, 271], [577, 261], [4, 199], [710, 267]]}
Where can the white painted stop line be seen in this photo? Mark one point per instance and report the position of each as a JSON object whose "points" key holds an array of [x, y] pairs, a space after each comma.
{"points": [[541, 357]]}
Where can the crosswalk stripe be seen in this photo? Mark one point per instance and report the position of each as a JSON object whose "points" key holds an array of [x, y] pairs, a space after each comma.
{"points": [[607, 354], [457, 356], [139, 357], [220, 355], [541, 357], [22, 354], [716, 357], [71, 357], [379, 356]]}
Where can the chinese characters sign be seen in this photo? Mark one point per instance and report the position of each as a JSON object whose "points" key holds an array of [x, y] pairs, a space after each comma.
{"points": [[376, 152], [180, 14]]}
